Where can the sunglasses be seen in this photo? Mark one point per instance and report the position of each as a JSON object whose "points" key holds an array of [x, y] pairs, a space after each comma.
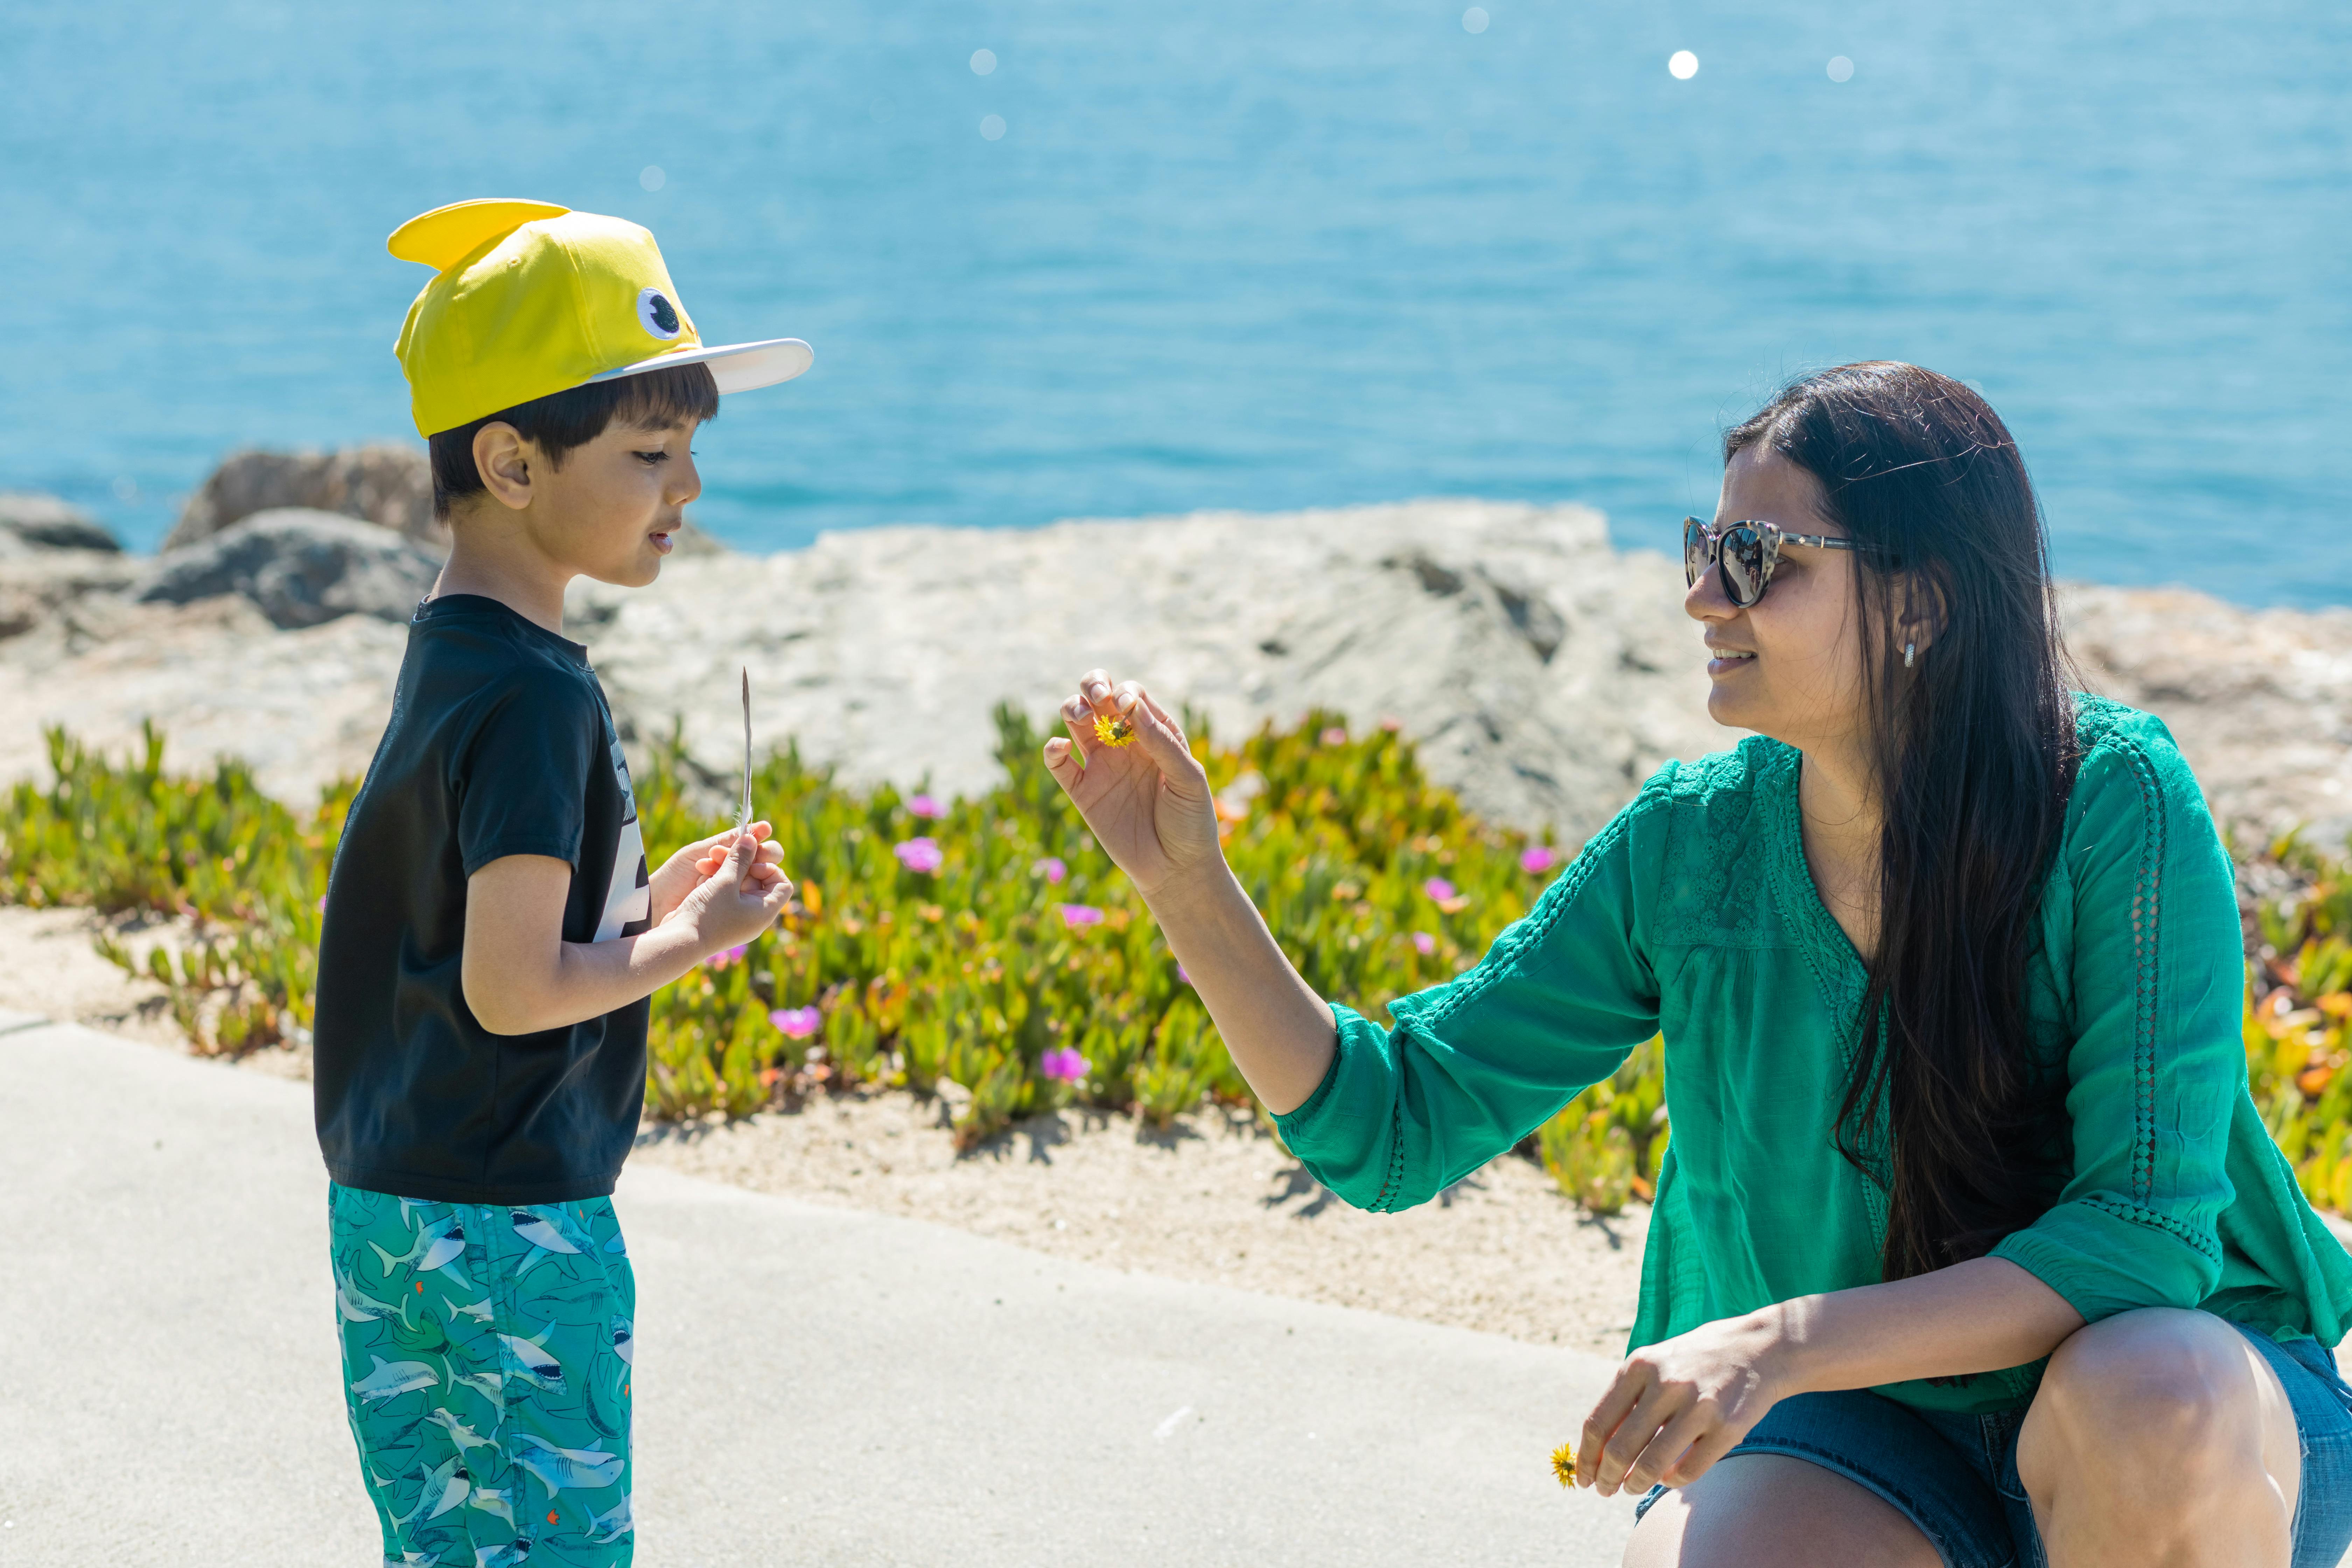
{"points": [[1743, 554]]}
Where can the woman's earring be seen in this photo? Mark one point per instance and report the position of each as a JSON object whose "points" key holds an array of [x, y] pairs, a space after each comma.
{"points": [[1908, 648]]}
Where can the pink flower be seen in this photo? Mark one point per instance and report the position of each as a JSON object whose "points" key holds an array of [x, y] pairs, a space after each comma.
{"points": [[1077, 915], [925, 806], [1183, 974], [921, 855], [797, 1022], [1539, 857], [1065, 1065], [721, 960], [323, 903], [1438, 887], [1337, 735], [1050, 867], [1424, 943]]}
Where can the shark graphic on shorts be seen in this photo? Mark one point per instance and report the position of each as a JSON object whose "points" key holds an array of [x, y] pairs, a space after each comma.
{"points": [[392, 1378]]}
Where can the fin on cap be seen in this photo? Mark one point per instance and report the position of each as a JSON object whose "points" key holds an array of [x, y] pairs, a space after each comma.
{"points": [[446, 235]]}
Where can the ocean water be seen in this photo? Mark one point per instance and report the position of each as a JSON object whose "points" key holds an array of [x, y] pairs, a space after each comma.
{"points": [[1237, 255]]}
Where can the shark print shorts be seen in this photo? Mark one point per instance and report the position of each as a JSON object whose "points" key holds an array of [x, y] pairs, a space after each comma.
{"points": [[485, 1367]]}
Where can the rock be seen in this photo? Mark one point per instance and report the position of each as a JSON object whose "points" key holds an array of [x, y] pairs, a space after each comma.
{"points": [[301, 567], [1544, 673], [39, 584], [29, 521], [388, 483]]}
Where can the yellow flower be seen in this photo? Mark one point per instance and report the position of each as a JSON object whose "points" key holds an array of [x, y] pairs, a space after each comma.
{"points": [[1563, 1464], [1113, 731]]}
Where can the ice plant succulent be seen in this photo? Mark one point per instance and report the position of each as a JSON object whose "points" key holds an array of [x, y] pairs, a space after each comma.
{"points": [[1077, 915], [925, 806], [1538, 859], [797, 1022], [923, 855], [1051, 868], [1064, 1065]]}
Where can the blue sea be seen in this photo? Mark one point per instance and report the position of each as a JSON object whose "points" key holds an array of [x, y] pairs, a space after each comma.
{"points": [[1139, 259]]}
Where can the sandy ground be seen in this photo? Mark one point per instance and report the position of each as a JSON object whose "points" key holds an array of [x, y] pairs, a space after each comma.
{"points": [[1214, 1201]]}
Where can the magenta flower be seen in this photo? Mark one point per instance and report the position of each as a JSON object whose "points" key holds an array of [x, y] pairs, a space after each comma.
{"points": [[797, 1022], [921, 855], [1050, 867], [1183, 974], [1438, 887], [927, 807], [1337, 735], [1540, 858], [1424, 943], [1077, 915], [323, 903], [1064, 1065]]}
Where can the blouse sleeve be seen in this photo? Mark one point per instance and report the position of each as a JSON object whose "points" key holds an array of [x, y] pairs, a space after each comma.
{"points": [[1474, 1065], [2158, 975]]}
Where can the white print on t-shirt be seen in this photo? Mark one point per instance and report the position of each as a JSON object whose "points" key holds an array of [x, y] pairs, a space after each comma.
{"points": [[628, 894]]}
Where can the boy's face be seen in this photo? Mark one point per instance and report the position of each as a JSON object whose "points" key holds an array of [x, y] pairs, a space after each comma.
{"points": [[612, 511]]}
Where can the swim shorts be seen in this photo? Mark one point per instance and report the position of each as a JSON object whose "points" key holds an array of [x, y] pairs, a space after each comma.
{"points": [[485, 1367]]}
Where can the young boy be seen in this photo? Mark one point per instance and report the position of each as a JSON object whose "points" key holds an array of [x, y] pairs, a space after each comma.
{"points": [[491, 935]]}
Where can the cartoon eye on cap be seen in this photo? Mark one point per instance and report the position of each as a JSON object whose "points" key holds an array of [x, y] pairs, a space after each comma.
{"points": [[656, 314]]}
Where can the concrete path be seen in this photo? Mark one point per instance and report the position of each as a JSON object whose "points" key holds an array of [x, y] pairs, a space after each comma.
{"points": [[816, 1386]]}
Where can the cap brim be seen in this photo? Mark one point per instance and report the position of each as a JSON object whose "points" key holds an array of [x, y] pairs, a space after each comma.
{"points": [[736, 367]]}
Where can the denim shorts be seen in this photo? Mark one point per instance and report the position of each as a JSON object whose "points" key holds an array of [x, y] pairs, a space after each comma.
{"points": [[1954, 1476]]}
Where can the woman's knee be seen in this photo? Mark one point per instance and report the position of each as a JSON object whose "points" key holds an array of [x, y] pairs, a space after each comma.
{"points": [[2164, 1397]]}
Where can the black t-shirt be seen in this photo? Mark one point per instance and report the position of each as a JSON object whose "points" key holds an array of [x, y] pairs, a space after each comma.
{"points": [[501, 744]]}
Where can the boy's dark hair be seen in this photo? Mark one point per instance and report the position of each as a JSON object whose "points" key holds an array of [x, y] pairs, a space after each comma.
{"points": [[561, 421]]}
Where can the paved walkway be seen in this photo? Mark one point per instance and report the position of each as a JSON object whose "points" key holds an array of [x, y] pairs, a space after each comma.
{"points": [[818, 1386]]}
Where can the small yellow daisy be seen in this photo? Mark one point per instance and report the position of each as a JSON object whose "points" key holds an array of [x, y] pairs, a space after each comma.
{"points": [[1563, 1464], [1113, 731]]}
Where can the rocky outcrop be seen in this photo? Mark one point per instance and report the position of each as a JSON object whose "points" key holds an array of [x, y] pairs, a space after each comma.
{"points": [[30, 521], [299, 567], [1545, 674], [388, 483]]}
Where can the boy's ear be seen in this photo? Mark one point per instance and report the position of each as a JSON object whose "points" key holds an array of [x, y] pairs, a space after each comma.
{"points": [[503, 461]]}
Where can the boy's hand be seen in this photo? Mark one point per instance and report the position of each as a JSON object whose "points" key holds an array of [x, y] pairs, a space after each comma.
{"points": [[694, 863], [741, 897]]}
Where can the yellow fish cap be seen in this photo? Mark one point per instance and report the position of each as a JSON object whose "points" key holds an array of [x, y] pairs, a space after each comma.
{"points": [[528, 299]]}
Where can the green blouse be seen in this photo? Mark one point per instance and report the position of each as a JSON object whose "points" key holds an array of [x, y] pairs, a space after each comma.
{"points": [[1694, 913]]}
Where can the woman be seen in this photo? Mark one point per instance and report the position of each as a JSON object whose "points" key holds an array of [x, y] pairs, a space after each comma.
{"points": [[2023, 1281]]}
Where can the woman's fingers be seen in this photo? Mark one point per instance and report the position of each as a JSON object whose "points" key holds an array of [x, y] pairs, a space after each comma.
{"points": [[1660, 1453], [1623, 1392], [1656, 1406]]}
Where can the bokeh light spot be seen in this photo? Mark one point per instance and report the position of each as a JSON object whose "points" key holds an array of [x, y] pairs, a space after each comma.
{"points": [[1682, 65], [1841, 68], [982, 61], [651, 177], [1475, 19], [992, 127]]}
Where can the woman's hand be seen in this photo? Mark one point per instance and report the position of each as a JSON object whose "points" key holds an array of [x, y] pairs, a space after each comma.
{"points": [[1678, 1407], [1147, 803], [695, 863]]}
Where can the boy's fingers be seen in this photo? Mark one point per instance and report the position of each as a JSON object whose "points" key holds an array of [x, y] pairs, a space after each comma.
{"points": [[1094, 688]]}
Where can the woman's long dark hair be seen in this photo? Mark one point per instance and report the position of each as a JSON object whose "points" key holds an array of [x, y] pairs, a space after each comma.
{"points": [[1973, 754]]}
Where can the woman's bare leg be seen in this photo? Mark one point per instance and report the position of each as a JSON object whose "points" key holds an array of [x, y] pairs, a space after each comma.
{"points": [[2160, 1439], [1770, 1511]]}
